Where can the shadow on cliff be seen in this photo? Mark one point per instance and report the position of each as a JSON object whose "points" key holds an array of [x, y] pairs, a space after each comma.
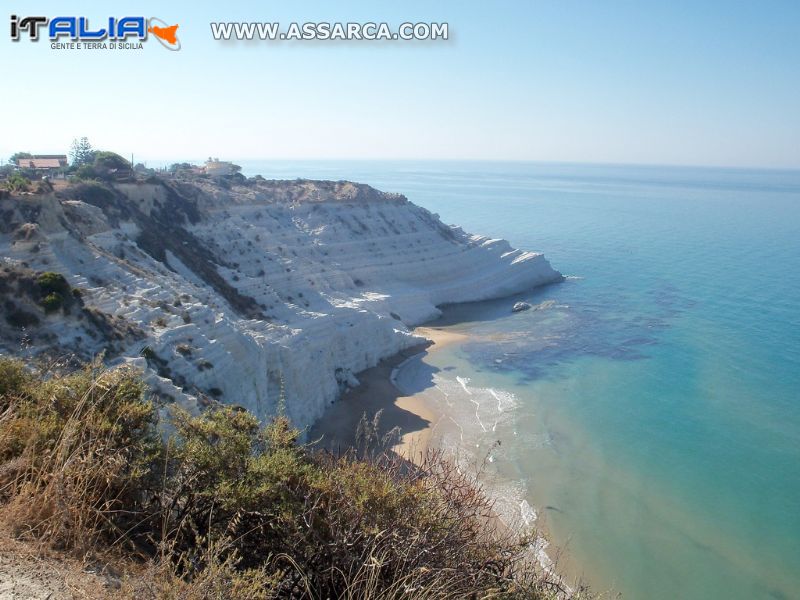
{"points": [[485, 311], [336, 430]]}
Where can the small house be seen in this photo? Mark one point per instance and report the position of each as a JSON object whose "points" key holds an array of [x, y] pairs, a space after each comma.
{"points": [[44, 164]]}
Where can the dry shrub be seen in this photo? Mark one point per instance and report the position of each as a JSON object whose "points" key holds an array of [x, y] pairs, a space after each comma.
{"points": [[78, 453], [228, 509], [167, 580], [383, 528]]}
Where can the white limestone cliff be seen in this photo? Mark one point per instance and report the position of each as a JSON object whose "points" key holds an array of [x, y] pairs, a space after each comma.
{"points": [[269, 295]]}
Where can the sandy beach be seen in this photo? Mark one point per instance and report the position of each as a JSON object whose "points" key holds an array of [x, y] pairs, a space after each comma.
{"points": [[411, 414]]}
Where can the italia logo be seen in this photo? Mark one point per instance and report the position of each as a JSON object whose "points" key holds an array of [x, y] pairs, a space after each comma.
{"points": [[113, 32]]}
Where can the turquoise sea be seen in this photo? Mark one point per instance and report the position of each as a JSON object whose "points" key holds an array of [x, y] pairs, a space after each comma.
{"points": [[648, 409]]}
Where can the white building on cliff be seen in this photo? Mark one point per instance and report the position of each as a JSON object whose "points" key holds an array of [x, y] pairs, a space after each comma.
{"points": [[220, 168]]}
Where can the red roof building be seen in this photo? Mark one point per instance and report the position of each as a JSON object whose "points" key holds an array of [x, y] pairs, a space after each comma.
{"points": [[43, 162]]}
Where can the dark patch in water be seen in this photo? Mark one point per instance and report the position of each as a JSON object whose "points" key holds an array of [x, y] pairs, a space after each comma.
{"points": [[670, 297], [618, 325]]}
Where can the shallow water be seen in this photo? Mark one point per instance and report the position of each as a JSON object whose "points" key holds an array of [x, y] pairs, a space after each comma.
{"points": [[648, 407]]}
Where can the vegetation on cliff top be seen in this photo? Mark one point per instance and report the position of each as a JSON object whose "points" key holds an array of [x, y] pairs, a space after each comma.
{"points": [[223, 508]]}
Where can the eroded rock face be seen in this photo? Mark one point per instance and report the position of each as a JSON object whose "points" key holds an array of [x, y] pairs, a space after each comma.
{"points": [[273, 292], [42, 315]]}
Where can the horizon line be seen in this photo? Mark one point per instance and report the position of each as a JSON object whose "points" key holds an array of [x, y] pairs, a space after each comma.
{"points": [[493, 160], [589, 163]]}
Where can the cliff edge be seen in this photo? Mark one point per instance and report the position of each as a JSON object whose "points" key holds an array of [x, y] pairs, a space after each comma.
{"points": [[267, 294]]}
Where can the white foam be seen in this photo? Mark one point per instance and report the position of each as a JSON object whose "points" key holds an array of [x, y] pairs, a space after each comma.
{"points": [[527, 513], [464, 381], [462, 434]]}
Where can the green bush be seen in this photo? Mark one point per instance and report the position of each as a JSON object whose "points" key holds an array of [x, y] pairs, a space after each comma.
{"points": [[54, 289], [50, 282], [52, 302], [14, 379], [16, 182], [107, 162], [226, 508], [85, 173]]}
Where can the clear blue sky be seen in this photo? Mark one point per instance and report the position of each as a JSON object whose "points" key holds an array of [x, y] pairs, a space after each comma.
{"points": [[680, 82]]}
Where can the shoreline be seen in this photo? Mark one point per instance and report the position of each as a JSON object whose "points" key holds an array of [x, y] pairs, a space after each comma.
{"points": [[378, 391]]}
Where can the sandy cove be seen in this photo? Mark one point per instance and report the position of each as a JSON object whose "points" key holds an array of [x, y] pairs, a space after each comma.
{"points": [[411, 414]]}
